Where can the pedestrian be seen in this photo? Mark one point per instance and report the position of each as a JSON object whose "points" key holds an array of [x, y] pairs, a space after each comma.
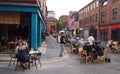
{"points": [[62, 43]]}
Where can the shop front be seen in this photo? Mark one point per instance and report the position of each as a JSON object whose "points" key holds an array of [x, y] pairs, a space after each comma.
{"points": [[110, 32], [24, 21]]}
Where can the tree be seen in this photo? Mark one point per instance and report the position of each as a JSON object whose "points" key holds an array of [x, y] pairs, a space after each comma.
{"points": [[59, 25]]}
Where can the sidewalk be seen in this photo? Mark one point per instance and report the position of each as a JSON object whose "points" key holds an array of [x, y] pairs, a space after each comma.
{"points": [[51, 53]]}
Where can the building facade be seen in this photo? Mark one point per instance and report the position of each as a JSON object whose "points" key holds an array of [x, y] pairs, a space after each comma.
{"points": [[24, 18], [64, 19], [51, 14], [110, 19], [89, 19], [51, 23], [73, 22]]}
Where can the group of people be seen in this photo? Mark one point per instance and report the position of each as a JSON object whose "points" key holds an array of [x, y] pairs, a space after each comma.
{"points": [[88, 44]]}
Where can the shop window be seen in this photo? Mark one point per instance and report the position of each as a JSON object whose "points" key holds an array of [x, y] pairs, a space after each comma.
{"points": [[114, 13]]}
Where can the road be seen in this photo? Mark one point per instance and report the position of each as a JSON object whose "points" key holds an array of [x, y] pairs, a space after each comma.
{"points": [[69, 65]]}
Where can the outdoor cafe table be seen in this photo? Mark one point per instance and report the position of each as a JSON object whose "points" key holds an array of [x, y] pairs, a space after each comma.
{"points": [[32, 54]]}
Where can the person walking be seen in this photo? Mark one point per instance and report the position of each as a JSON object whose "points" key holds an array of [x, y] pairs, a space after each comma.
{"points": [[62, 42]]}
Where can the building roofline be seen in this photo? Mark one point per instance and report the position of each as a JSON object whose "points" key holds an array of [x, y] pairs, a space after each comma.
{"points": [[18, 4], [86, 5]]}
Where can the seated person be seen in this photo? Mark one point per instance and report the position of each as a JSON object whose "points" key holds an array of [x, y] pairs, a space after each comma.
{"points": [[22, 55], [87, 48], [99, 49], [3, 41]]}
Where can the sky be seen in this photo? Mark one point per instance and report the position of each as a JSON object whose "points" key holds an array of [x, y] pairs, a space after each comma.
{"points": [[62, 7]]}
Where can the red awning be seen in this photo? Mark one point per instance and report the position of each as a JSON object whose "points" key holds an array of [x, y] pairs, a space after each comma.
{"points": [[112, 27], [104, 27], [115, 26]]}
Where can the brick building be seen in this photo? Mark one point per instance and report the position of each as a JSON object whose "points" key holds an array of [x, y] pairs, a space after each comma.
{"points": [[64, 19], [25, 18], [51, 22], [89, 19], [110, 19], [51, 25]]}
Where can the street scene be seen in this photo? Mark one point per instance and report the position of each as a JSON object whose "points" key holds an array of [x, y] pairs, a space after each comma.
{"points": [[59, 37], [68, 64]]}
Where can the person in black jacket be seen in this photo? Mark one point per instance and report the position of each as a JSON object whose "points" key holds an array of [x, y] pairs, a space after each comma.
{"points": [[99, 49], [62, 42]]}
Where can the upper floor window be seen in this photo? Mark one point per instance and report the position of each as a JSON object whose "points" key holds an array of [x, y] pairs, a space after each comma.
{"points": [[104, 2], [102, 17], [114, 13], [115, 0], [96, 3], [96, 17]]}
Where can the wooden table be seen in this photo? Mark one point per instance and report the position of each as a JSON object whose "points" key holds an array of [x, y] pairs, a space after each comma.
{"points": [[32, 54]]}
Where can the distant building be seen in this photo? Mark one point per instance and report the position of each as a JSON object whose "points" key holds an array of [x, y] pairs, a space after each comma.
{"points": [[51, 14], [64, 19], [51, 22]]}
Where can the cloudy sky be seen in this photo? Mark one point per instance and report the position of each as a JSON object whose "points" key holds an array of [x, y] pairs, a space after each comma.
{"points": [[62, 7]]}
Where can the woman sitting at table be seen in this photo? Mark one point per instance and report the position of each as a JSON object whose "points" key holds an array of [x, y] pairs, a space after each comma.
{"points": [[22, 55]]}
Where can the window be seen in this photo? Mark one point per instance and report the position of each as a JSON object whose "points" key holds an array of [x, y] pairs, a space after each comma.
{"points": [[90, 18], [91, 7], [114, 13], [115, 0], [93, 18], [104, 3], [96, 3], [96, 17], [102, 17]]}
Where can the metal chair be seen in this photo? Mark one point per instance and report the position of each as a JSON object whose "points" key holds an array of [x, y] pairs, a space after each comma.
{"points": [[13, 58]]}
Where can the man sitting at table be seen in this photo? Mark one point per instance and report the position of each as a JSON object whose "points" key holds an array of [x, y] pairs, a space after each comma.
{"points": [[99, 49]]}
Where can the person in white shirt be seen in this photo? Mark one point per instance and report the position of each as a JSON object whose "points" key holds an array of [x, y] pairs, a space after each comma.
{"points": [[91, 40]]}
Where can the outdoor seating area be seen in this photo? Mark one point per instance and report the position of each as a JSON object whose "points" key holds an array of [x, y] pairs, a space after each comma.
{"points": [[89, 54], [33, 58], [114, 46], [93, 57]]}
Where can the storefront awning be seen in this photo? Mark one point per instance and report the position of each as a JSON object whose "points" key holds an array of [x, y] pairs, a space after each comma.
{"points": [[116, 26], [104, 27], [112, 27]]}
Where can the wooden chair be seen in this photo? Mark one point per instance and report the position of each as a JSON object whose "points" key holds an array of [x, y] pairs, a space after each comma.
{"points": [[72, 48], [105, 56], [85, 57], [79, 51]]}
